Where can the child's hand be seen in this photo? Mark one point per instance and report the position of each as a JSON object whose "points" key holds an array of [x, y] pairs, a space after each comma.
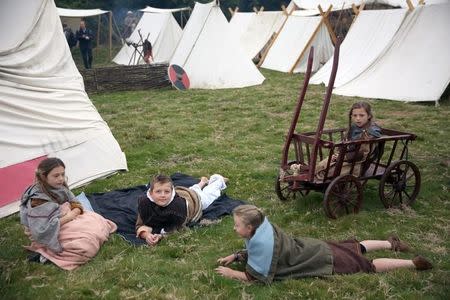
{"points": [[225, 272], [153, 239], [225, 261]]}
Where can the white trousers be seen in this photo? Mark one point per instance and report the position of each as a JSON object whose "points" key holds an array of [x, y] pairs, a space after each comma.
{"points": [[210, 192]]}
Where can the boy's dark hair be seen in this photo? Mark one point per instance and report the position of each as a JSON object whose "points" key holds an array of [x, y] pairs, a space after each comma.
{"points": [[161, 179]]}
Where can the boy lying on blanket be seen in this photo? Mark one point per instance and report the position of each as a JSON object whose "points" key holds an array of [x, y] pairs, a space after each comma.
{"points": [[166, 208]]}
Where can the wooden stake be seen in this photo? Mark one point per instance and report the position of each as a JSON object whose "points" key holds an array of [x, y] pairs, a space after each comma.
{"points": [[232, 12], [307, 46], [358, 10], [263, 56], [98, 29], [410, 5], [110, 35], [327, 23]]}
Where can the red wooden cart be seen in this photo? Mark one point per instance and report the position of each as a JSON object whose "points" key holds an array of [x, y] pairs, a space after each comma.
{"points": [[387, 161]]}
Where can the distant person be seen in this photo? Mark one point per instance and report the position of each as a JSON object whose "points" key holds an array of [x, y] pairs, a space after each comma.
{"points": [[148, 52], [84, 37], [129, 24], [271, 254], [70, 36]]}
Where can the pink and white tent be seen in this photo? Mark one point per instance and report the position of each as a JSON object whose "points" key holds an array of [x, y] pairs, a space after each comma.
{"points": [[44, 109]]}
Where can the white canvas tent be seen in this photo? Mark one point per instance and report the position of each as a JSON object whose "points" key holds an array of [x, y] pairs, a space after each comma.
{"points": [[72, 17], [240, 21], [289, 52], [208, 54], [345, 4], [260, 28], [163, 33], [415, 65], [371, 32], [45, 111]]}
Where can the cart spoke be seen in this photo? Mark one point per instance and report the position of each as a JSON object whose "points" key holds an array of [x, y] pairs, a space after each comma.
{"points": [[410, 176], [284, 188], [406, 194]]}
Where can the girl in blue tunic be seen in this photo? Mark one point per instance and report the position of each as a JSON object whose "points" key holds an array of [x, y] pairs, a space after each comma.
{"points": [[271, 254]]}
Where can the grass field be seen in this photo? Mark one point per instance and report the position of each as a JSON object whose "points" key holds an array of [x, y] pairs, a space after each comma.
{"points": [[239, 133]]}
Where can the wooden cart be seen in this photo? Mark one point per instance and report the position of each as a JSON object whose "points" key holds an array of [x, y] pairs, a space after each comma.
{"points": [[343, 180]]}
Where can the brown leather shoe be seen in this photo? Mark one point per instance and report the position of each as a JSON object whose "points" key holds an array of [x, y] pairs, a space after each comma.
{"points": [[422, 263], [397, 245]]}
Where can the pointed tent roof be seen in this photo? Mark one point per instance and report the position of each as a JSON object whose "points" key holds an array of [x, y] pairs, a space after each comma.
{"points": [[45, 110], [240, 22], [165, 34], [208, 54], [344, 4], [414, 66], [362, 45], [258, 30], [289, 51]]}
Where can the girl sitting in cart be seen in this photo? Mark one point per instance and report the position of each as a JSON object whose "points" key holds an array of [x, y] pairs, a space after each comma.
{"points": [[273, 255], [360, 127]]}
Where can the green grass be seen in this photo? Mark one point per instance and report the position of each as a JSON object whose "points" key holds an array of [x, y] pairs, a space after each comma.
{"points": [[239, 133]]}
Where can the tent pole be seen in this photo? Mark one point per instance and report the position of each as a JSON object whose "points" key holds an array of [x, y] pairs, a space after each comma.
{"points": [[263, 56], [98, 34], [181, 19], [410, 5], [118, 31], [110, 34], [327, 23], [357, 11], [310, 39]]}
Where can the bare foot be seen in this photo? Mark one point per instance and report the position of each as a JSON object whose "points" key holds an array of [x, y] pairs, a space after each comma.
{"points": [[203, 181]]}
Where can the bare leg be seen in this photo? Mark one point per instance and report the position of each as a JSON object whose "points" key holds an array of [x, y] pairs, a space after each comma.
{"points": [[388, 264], [203, 182], [392, 243], [372, 245]]}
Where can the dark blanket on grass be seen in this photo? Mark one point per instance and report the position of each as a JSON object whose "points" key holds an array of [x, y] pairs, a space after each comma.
{"points": [[121, 206]]}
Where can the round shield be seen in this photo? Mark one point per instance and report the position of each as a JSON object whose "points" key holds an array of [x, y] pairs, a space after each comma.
{"points": [[178, 77]]}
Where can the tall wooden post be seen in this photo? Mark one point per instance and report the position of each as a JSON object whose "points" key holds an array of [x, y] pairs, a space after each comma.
{"points": [[110, 35]]}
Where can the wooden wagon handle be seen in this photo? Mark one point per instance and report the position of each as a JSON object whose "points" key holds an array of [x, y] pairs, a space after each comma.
{"points": [[298, 108]]}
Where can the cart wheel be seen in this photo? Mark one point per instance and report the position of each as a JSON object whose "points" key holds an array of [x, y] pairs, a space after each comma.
{"points": [[284, 189], [400, 184], [343, 196]]}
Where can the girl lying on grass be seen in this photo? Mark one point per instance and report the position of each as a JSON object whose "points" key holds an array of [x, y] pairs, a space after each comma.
{"points": [[167, 208], [272, 255], [54, 220]]}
